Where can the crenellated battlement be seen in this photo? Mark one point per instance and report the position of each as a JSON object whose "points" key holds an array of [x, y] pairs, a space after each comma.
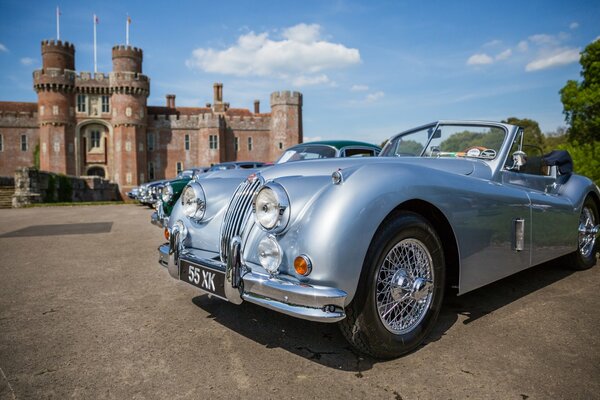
{"points": [[18, 119], [54, 79], [195, 121], [286, 97], [127, 51], [252, 123], [58, 45]]}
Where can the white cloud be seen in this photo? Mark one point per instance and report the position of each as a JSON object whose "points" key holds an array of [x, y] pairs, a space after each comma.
{"points": [[523, 46], [27, 61], [480, 59], [310, 80], [557, 58], [312, 139], [301, 55], [504, 55], [373, 97], [543, 39], [493, 43], [574, 25], [359, 88], [3, 48]]}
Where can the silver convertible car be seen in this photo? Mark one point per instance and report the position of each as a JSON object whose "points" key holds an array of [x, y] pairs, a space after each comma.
{"points": [[372, 243]]}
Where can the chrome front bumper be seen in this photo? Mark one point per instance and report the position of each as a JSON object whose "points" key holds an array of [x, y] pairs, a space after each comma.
{"points": [[157, 218], [310, 302]]}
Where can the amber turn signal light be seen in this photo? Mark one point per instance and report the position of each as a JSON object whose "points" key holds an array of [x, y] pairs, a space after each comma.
{"points": [[167, 233], [302, 265]]}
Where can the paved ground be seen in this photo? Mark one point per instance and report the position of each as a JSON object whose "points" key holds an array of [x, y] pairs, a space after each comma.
{"points": [[87, 313]]}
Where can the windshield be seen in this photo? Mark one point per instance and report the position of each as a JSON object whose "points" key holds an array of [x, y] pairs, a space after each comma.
{"points": [[306, 152], [483, 142]]}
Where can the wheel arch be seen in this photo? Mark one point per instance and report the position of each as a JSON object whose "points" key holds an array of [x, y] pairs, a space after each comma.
{"points": [[443, 228]]}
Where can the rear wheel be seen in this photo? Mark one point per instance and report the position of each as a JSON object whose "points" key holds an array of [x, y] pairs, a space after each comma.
{"points": [[400, 291], [585, 256]]}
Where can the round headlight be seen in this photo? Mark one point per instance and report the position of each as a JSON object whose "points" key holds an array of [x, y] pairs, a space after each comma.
{"points": [[269, 254], [167, 193], [272, 207], [193, 201]]}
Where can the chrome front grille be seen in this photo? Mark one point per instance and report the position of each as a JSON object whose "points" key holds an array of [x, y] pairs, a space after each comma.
{"points": [[237, 215]]}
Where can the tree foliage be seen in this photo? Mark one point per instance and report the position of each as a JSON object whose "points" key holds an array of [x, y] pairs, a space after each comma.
{"points": [[533, 133], [581, 100]]}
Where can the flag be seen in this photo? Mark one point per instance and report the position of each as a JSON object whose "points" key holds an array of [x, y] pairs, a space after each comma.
{"points": [[129, 20], [58, 11], [96, 19]]}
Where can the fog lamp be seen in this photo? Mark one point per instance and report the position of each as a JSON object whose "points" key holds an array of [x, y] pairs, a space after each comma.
{"points": [[167, 233], [303, 265], [269, 254]]}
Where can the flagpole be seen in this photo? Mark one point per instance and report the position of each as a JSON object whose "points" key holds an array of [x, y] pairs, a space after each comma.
{"points": [[95, 58], [57, 23], [127, 31]]}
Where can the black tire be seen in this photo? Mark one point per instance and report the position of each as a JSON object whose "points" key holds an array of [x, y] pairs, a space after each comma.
{"points": [[586, 256], [404, 234]]}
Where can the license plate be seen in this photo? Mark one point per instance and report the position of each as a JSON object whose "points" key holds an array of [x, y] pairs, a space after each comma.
{"points": [[207, 279]]}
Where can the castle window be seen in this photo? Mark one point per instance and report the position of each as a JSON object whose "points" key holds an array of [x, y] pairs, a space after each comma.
{"points": [[151, 171], [280, 146], [81, 102], [150, 141], [249, 144], [105, 104], [1, 143], [187, 142], [95, 139], [213, 142], [24, 145], [179, 167], [236, 144]]}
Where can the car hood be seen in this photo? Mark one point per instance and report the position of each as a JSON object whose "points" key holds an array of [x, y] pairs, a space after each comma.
{"points": [[459, 166]]}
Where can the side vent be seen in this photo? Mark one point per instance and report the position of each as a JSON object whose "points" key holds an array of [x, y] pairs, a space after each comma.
{"points": [[518, 237]]}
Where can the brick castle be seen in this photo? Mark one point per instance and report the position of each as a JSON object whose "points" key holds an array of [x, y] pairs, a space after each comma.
{"points": [[99, 124]]}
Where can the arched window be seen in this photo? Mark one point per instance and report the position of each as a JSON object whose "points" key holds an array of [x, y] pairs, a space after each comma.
{"points": [[96, 171]]}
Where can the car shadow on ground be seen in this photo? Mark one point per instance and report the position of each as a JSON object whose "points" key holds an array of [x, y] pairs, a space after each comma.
{"points": [[323, 343]]}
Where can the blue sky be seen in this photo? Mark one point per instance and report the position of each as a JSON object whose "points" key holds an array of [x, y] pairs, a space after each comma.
{"points": [[367, 69]]}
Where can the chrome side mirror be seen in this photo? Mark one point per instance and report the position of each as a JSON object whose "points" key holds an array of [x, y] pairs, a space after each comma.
{"points": [[519, 160]]}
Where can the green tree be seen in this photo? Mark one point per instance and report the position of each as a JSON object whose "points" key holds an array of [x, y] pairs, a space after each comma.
{"points": [[581, 100], [554, 140], [533, 133]]}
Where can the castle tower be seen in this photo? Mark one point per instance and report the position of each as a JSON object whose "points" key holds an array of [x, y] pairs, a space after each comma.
{"points": [[286, 122], [127, 145], [55, 86]]}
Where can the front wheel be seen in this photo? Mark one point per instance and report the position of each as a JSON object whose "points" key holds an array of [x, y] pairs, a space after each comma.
{"points": [[400, 291], [585, 256]]}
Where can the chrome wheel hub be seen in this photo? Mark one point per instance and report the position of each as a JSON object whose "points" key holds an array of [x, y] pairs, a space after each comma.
{"points": [[404, 286], [588, 232]]}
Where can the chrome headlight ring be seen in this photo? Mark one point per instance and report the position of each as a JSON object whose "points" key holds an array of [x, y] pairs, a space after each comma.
{"points": [[271, 207], [193, 201], [167, 193]]}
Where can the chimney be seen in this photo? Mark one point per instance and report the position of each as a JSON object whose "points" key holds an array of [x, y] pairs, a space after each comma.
{"points": [[256, 106], [170, 101], [218, 93]]}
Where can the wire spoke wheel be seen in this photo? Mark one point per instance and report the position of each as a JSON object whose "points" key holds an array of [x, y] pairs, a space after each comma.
{"points": [[588, 231], [404, 286]]}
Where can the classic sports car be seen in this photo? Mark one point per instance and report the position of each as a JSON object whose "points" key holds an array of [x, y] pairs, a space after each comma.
{"points": [[372, 243], [305, 151]]}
